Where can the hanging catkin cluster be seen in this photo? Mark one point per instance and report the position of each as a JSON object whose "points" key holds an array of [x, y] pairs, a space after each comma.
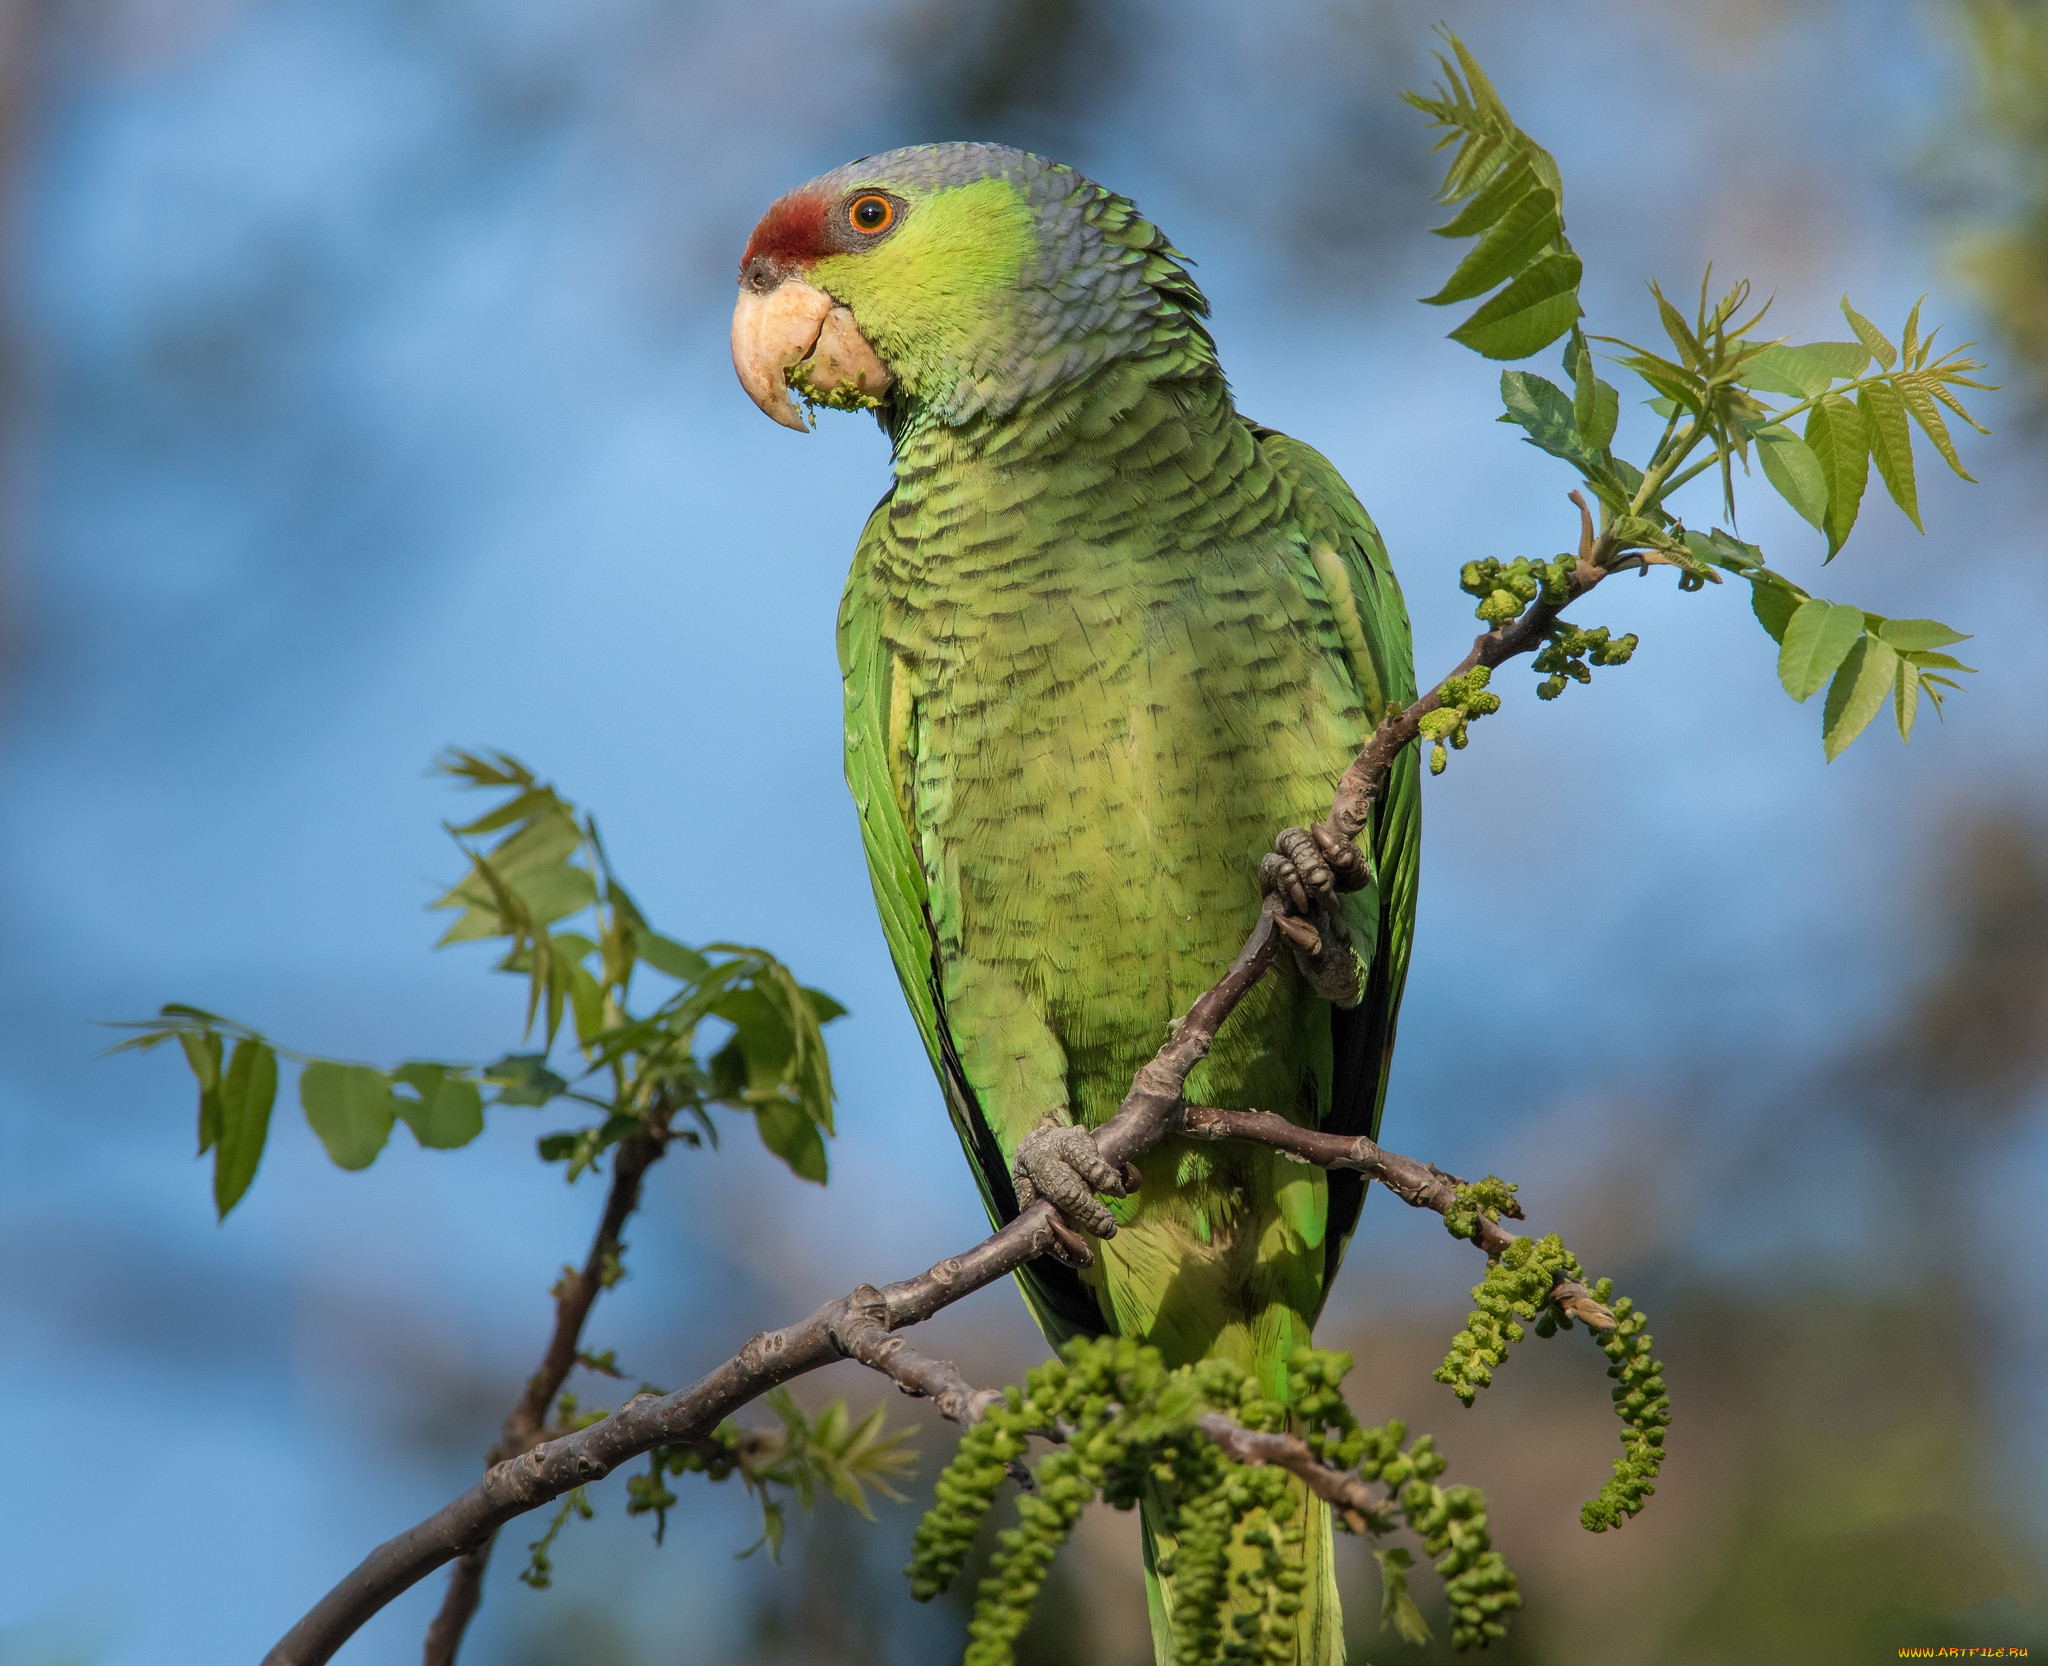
{"points": [[1517, 1286], [1124, 1424]]}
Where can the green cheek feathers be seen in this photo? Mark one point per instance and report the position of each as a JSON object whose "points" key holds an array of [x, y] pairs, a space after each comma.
{"points": [[921, 296]]}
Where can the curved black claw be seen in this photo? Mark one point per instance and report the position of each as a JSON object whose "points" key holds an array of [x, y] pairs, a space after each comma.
{"points": [[1063, 1165]]}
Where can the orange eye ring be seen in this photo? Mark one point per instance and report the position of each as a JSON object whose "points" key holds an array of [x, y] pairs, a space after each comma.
{"points": [[871, 214]]}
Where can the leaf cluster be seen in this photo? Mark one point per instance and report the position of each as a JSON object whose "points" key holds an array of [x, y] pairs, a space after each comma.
{"points": [[1513, 204], [1517, 1287], [1864, 660], [1818, 417], [1128, 1429], [806, 1455], [725, 1026]]}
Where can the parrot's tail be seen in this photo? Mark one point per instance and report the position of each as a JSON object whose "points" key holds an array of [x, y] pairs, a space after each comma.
{"points": [[1318, 1625]]}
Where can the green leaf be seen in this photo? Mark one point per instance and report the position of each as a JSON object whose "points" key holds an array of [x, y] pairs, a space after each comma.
{"points": [[1773, 602], [1911, 635], [1499, 194], [1397, 1607], [793, 1137], [1871, 337], [1834, 433], [1858, 693], [247, 1093], [1816, 641], [1790, 466], [670, 958], [1596, 407], [823, 1008], [1891, 444], [202, 1056], [1541, 409], [1679, 331], [449, 1111], [1521, 234], [350, 1108], [586, 999], [1724, 550], [1915, 390], [1529, 314], [1803, 371], [524, 1079], [1906, 691]]}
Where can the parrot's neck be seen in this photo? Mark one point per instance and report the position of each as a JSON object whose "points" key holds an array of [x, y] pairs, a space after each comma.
{"points": [[1176, 404]]}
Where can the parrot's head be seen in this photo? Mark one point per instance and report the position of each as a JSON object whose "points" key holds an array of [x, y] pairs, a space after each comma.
{"points": [[957, 281]]}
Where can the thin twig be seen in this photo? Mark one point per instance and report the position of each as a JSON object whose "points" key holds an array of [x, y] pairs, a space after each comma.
{"points": [[525, 1425], [1148, 1114]]}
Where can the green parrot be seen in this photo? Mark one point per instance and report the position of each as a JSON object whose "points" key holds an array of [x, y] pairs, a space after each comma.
{"points": [[1102, 639]]}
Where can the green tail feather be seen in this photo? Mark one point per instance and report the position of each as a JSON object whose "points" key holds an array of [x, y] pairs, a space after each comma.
{"points": [[1319, 1626]]}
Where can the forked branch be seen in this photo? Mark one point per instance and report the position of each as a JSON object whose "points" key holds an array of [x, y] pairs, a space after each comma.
{"points": [[860, 1324]]}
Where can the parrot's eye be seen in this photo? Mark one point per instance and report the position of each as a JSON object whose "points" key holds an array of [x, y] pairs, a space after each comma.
{"points": [[871, 214]]}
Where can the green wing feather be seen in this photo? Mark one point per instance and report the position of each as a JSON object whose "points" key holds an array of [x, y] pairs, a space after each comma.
{"points": [[877, 770], [1353, 564]]}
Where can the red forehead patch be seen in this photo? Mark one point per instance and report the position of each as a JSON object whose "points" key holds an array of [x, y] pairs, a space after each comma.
{"points": [[792, 232]]}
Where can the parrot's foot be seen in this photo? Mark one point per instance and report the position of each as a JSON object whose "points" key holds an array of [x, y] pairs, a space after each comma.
{"points": [[1063, 1165], [1308, 866], [1306, 870]]}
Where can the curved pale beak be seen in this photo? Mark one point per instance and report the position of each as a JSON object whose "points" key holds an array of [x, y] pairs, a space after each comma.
{"points": [[796, 334]]}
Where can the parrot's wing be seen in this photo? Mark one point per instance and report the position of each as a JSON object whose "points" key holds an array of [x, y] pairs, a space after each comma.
{"points": [[879, 742], [1352, 562]]}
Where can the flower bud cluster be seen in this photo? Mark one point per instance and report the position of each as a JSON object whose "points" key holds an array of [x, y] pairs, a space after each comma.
{"points": [[1460, 700], [1504, 590], [1566, 649]]}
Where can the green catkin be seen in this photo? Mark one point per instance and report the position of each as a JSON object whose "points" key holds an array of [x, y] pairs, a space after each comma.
{"points": [[1239, 1533], [1644, 1409], [1517, 1287]]}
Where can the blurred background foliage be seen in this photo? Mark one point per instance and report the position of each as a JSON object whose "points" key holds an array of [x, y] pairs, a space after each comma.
{"points": [[365, 391]]}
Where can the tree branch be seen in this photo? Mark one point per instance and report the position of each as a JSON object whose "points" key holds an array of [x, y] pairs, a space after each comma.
{"points": [[525, 1425], [1419, 1185], [1150, 1111], [864, 1335]]}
